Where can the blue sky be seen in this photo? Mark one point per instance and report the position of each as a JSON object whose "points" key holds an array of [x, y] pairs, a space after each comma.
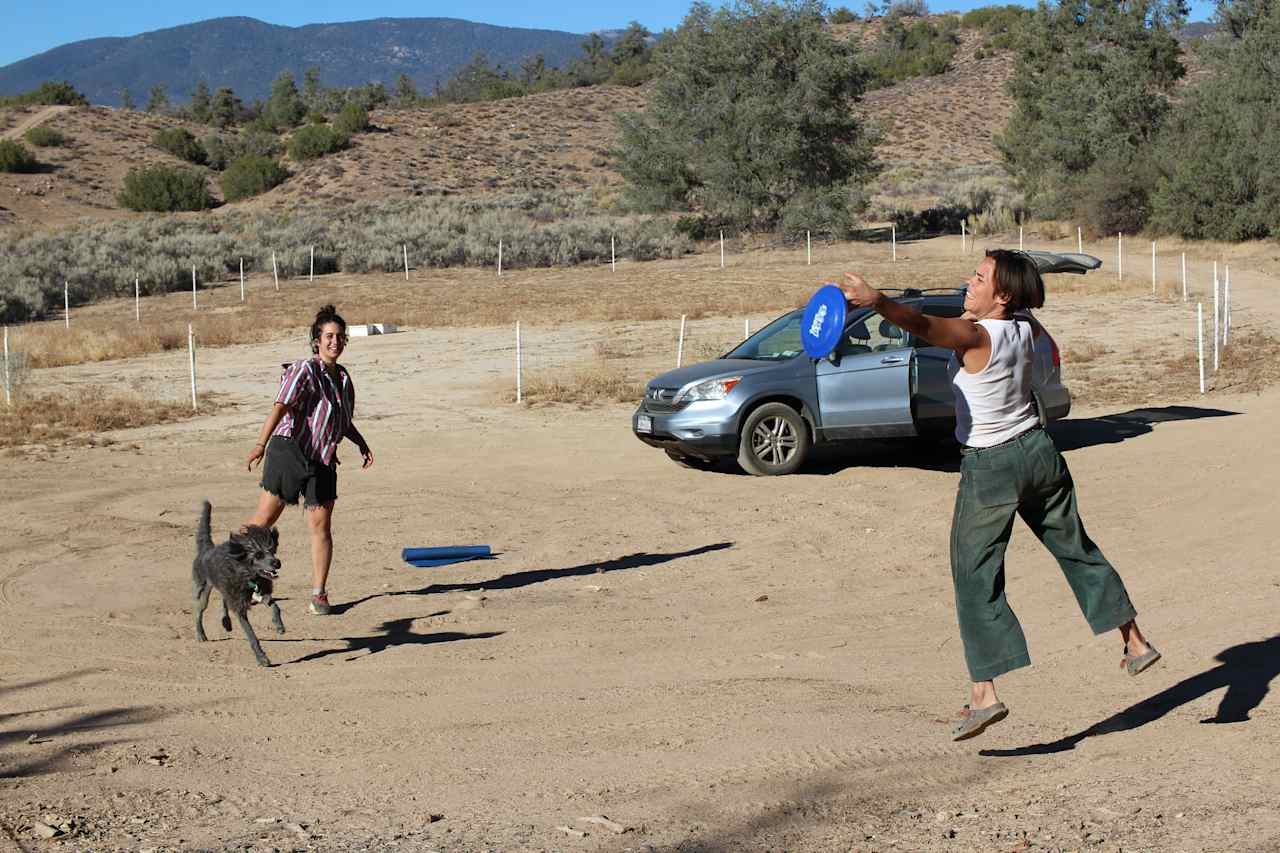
{"points": [[36, 27]]}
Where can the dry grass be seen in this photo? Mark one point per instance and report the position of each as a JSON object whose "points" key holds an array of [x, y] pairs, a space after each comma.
{"points": [[76, 417], [599, 382], [1085, 353]]}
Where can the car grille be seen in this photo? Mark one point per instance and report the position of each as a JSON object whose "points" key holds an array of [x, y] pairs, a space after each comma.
{"points": [[660, 400]]}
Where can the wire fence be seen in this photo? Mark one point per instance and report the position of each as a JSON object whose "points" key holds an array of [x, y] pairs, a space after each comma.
{"points": [[613, 358]]}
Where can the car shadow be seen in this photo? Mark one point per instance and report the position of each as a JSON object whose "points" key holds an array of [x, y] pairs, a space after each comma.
{"points": [[1246, 671], [515, 580], [942, 454], [1074, 434]]}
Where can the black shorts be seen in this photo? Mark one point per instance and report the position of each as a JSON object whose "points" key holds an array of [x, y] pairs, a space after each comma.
{"points": [[289, 474]]}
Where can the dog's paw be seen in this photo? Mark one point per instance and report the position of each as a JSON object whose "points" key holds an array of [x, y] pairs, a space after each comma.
{"points": [[280, 629], [226, 623]]}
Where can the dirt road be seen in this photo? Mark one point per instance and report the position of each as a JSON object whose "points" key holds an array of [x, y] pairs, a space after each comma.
{"points": [[712, 661], [34, 120]]}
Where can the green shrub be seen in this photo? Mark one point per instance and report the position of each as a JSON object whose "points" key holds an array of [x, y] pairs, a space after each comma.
{"points": [[315, 140], [352, 119], [164, 189], [14, 157], [915, 50], [45, 137], [843, 15], [251, 175], [222, 150], [1114, 196], [48, 93], [316, 117], [180, 143]]}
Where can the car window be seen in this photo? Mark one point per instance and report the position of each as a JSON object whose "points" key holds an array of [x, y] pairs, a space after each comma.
{"points": [[777, 341], [870, 333], [936, 310]]}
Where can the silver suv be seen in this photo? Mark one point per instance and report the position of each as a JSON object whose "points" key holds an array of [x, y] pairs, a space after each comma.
{"points": [[767, 404]]}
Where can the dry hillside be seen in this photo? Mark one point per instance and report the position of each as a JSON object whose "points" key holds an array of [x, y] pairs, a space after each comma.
{"points": [[929, 125]]}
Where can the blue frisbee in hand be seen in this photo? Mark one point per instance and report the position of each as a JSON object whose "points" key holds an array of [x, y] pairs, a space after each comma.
{"points": [[823, 321]]}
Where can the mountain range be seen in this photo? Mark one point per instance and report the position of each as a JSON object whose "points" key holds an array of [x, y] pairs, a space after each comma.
{"points": [[247, 54]]}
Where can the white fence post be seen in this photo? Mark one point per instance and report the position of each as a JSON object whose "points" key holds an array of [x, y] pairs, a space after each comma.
{"points": [[808, 248], [963, 237], [519, 367], [1200, 341], [499, 257], [721, 248], [1079, 239], [1184, 276], [613, 255], [1215, 316], [193, 287], [8, 395], [680, 346], [275, 272], [242, 279], [1226, 306], [746, 328], [137, 302], [405, 246], [66, 303], [894, 235], [311, 275], [1153, 267], [1020, 238], [191, 351], [1120, 255]]}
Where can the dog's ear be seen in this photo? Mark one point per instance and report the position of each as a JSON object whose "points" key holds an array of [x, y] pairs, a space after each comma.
{"points": [[235, 548], [275, 538]]}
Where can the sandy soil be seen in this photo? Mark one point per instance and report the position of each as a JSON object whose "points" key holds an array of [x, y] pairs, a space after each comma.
{"points": [[712, 661]]}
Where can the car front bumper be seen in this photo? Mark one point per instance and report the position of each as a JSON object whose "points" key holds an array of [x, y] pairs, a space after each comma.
{"points": [[706, 429]]}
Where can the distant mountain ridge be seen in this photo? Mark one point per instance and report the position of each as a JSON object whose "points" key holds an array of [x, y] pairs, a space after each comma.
{"points": [[247, 54]]}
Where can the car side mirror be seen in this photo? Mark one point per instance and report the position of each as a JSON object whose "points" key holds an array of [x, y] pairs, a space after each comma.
{"points": [[834, 358]]}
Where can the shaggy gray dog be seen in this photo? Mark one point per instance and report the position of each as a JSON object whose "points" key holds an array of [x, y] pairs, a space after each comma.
{"points": [[243, 569]]}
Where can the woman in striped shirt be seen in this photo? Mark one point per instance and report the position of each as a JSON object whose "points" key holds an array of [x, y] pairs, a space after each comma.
{"points": [[311, 416]]}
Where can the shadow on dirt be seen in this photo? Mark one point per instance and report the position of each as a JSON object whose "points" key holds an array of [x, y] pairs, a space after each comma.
{"points": [[1246, 672], [396, 632], [532, 576]]}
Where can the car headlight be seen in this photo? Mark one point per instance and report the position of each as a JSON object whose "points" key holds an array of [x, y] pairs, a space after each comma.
{"points": [[712, 389]]}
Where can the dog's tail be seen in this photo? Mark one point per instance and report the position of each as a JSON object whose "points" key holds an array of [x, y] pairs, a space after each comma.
{"points": [[204, 534]]}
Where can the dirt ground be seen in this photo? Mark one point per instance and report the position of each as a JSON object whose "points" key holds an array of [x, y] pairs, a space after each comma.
{"points": [[709, 660]]}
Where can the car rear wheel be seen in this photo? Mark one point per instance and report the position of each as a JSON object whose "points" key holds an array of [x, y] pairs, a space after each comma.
{"points": [[774, 441], [693, 462]]}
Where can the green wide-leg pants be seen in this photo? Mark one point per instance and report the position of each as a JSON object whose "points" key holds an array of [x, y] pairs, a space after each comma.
{"points": [[1028, 476]]}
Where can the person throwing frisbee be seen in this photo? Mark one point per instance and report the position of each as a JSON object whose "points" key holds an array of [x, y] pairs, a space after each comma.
{"points": [[1008, 465]]}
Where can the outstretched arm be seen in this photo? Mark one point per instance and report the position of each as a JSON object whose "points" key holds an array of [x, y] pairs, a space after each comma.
{"points": [[273, 420], [955, 334]]}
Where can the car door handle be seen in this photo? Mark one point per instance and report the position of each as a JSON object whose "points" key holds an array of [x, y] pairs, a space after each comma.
{"points": [[893, 359]]}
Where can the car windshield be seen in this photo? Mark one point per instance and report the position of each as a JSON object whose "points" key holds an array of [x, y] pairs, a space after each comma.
{"points": [[778, 341]]}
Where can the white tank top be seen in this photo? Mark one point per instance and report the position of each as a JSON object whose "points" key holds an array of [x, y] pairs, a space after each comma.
{"points": [[995, 404]]}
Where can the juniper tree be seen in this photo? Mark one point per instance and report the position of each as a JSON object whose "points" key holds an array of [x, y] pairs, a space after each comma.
{"points": [[201, 103], [1220, 154], [750, 121], [1091, 82]]}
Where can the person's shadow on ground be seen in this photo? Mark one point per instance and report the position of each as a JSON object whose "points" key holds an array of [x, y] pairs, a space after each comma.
{"points": [[397, 632], [1246, 672], [515, 580]]}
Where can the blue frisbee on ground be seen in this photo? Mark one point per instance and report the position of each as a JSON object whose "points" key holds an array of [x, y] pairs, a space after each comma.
{"points": [[428, 558], [823, 321]]}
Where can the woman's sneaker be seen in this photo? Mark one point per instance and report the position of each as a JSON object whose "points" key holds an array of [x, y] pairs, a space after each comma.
{"points": [[320, 605]]}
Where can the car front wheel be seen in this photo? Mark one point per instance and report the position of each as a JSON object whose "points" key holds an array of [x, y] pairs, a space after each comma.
{"points": [[774, 441]]}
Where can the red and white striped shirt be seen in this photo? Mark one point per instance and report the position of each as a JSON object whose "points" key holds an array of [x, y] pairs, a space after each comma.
{"points": [[320, 409]]}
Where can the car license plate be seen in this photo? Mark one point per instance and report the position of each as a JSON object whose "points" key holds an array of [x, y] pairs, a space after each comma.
{"points": [[644, 423]]}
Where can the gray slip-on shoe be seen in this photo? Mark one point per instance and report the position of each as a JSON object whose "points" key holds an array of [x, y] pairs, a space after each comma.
{"points": [[1137, 663], [975, 722]]}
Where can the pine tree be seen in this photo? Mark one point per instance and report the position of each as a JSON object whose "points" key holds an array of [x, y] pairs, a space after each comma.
{"points": [[201, 103], [157, 99], [225, 108], [126, 100], [284, 108]]}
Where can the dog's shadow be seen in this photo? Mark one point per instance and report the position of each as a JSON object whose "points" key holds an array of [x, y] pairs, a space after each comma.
{"points": [[396, 632]]}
